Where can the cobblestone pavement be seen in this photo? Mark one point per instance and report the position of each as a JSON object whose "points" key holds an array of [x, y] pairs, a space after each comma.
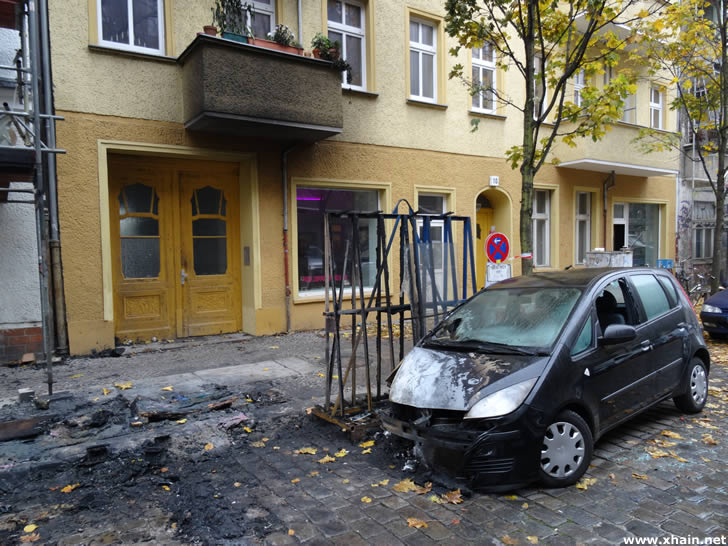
{"points": [[254, 487]]}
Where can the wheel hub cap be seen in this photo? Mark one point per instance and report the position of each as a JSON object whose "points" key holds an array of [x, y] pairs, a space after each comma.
{"points": [[563, 450], [698, 384]]}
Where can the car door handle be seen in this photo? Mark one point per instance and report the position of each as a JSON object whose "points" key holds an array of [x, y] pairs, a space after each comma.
{"points": [[646, 345]]}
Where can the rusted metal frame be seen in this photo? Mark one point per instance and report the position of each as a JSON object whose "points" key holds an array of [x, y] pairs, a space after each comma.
{"points": [[336, 352], [378, 346], [354, 332], [403, 248], [469, 245], [414, 265], [385, 265], [328, 276], [364, 312], [437, 301]]}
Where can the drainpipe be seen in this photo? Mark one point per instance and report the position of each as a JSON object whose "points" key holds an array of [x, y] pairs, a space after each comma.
{"points": [[608, 183], [284, 186], [59, 302], [300, 23]]}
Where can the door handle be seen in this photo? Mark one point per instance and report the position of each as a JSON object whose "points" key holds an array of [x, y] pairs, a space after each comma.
{"points": [[646, 345], [183, 276]]}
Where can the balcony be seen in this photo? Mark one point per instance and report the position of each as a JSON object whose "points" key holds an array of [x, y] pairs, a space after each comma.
{"points": [[245, 90], [616, 152]]}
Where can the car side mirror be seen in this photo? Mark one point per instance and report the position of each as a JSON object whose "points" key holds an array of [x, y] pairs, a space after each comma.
{"points": [[618, 333]]}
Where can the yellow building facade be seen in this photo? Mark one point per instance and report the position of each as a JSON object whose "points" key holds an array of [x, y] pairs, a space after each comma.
{"points": [[192, 159]]}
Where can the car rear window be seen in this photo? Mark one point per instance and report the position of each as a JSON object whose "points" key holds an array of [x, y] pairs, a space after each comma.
{"points": [[653, 297]]}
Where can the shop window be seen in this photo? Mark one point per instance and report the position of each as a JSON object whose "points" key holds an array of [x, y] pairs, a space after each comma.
{"points": [[637, 226], [311, 205], [132, 25]]}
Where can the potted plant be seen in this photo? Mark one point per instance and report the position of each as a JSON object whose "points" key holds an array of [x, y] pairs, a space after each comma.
{"points": [[324, 48], [232, 17], [281, 39]]}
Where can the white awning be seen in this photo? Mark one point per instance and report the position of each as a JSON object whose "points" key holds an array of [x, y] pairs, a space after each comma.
{"points": [[627, 169]]}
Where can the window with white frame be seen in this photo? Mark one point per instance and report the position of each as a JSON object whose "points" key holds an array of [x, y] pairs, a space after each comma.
{"points": [[132, 25], [655, 108], [434, 204], [347, 24], [637, 226], [583, 225], [312, 204], [423, 60], [539, 88], [541, 222], [629, 110], [484, 78], [704, 224], [263, 17], [579, 84], [703, 244]]}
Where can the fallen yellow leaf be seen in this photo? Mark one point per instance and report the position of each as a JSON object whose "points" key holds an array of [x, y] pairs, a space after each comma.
{"points": [[295, 480], [453, 497], [366, 500], [106, 391], [257, 444], [342, 453], [35, 537], [511, 497], [273, 347], [404, 486], [76, 376], [508, 540], [678, 457], [170, 388], [524, 505], [705, 459], [315, 473], [181, 421], [320, 374], [532, 539], [209, 446], [366, 451], [266, 439], [639, 476], [30, 528], [671, 434], [346, 480], [584, 483], [709, 440], [237, 484], [291, 532], [248, 429], [657, 453], [326, 459], [70, 488], [123, 386], [423, 490], [436, 499], [306, 451], [165, 487], [383, 482], [368, 443], [416, 523]]}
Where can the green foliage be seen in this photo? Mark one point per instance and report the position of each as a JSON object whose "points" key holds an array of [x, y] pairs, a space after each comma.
{"points": [[282, 35], [232, 16], [331, 51]]}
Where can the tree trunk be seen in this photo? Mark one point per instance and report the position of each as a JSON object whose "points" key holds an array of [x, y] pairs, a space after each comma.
{"points": [[526, 231], [718, 253]]}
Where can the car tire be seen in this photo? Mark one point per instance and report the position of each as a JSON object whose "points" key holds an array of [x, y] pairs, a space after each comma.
{"points": [[566, 450], [695, 388]]}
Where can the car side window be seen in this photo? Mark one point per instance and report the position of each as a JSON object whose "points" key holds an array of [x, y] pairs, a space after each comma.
{"points": [[651, 294], [585, 339], [614, 305], [669, 287]]}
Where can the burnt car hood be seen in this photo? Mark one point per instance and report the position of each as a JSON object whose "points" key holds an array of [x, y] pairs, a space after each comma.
{"points": [[442, 379]]}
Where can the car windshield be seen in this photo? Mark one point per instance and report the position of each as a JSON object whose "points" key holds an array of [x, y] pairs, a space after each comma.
{"points": [[521, 318]]}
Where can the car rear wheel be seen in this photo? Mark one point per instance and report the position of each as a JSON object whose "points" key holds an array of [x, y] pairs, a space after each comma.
{"points": [[695, 388], [566, 450]]}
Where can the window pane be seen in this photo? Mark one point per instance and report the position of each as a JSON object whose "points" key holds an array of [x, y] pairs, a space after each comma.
{"points": [[619, 210], [140, 258], [540, 258], [698, 243], [431, 204], [261, 24], [643, 233], [334, 11], [427, 35], [208, 199], [311, 204], [670, 288], [414, 32], [353, 16], [138, 197], [476, 53], [488, 99], [336, 36], [139, 227], [428, 67], [115, 21], [208, 227], [708, 243], [354, 58], [581, 237], [414, 73], [584, 340], [651, 294], [488, 52], [146, 23], [582, 200], [476, 82], [210, 256], [540, 199]]}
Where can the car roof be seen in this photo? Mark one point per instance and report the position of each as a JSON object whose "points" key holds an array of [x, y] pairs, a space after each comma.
{"points": [[577, 278]]}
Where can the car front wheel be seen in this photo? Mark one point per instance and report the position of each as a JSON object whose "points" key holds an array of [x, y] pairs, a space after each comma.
{"points": [[695, 388], [566, 450]]}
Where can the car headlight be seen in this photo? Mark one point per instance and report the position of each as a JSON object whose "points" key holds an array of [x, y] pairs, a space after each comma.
{"points": [[711, 309], [503, 401]]}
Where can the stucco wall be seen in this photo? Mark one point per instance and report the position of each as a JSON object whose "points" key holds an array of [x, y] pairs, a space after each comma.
{"points": [[19, 285]]}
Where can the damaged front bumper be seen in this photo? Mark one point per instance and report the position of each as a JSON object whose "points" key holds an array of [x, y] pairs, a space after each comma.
{"points": [[492, 454]]}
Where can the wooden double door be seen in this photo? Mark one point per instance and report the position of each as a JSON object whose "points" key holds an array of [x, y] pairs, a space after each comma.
{"points": [[175, 234]]}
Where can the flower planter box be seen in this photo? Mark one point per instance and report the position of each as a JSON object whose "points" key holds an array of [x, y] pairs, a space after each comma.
{"points": [[235, 37], [274, 45]]}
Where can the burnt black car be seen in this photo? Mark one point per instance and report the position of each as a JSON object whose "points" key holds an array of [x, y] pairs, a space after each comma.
{"points": [[516, 384]]}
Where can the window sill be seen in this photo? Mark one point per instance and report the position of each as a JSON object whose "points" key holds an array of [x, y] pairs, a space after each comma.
{"points": [[320, 297], [486, 115], [436, 106], [361, 93], [124, 53]]}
